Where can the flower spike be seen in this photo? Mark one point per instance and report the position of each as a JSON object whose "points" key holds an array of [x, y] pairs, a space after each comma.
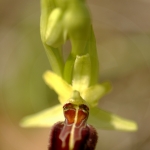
{"points": [[75, 80]]}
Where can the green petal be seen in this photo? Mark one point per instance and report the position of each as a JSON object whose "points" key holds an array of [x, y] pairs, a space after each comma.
{"points": [[44, 118], [106, 120], [94, 93], [81, 72], [62, 88]]}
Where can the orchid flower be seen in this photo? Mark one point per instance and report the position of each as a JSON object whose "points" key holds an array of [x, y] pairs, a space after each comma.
{"points": [[75, 80], [99, 118]]}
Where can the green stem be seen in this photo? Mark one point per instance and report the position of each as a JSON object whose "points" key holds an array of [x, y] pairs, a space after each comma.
{"points": [[94, 58], [55, 59]]}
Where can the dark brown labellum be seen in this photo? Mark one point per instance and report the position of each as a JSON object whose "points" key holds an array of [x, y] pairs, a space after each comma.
{"points": [[73, 133]]}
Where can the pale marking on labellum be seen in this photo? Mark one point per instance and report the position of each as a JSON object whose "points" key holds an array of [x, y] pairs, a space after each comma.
{"points": [[71, 140]]}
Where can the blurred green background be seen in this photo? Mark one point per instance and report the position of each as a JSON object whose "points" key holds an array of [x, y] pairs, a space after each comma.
{"points": [[122, 30]]}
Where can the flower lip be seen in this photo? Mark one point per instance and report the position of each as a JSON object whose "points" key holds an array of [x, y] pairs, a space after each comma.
{"points": [[74, 133]]}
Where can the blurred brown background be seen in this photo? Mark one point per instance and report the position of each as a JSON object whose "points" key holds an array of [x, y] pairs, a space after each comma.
{"points": [[122, 31]]}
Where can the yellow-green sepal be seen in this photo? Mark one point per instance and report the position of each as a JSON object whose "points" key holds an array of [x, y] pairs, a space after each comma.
{"points": [[45, 118], [105, 120]]}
